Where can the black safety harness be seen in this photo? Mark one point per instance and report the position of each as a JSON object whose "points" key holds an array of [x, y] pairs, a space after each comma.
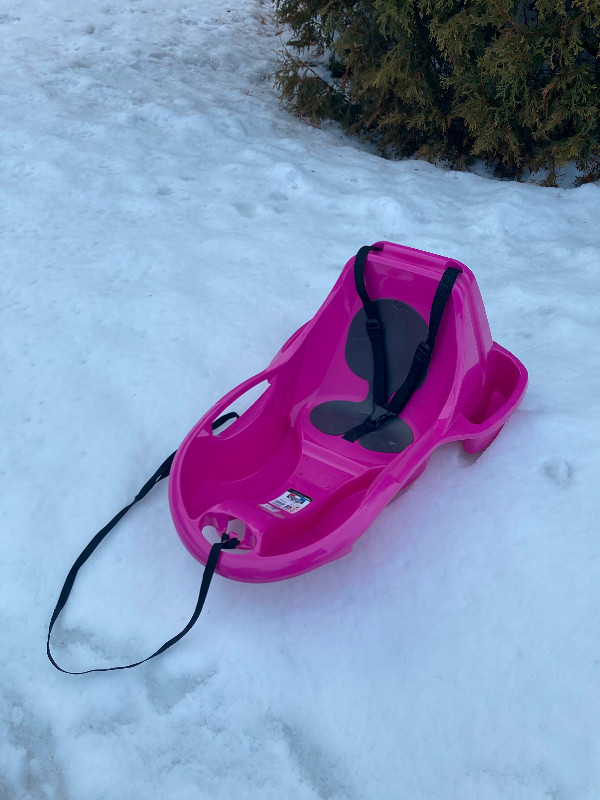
{"points": [[384, 406]]}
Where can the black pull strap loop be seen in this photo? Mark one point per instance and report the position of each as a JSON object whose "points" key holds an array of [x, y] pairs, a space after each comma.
{"points": [[226, 543], [225, 418]]}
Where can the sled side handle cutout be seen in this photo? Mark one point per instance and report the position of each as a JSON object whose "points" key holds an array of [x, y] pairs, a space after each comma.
{"points": [[241, 404]]}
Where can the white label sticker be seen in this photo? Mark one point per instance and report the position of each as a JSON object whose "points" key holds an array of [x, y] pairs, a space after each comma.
{"points": [[291, 501]]}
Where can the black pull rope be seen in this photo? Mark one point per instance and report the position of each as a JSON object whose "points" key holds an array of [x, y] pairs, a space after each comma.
{"points": [[226, 543], [225, 418], [385, 409]]}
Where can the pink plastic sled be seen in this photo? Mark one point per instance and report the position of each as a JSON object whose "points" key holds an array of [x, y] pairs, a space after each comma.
{"points": [[307, 468], [357, 401]]}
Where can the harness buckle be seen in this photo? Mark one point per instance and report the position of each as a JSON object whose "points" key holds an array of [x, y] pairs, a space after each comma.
{"points": [[380, 413]]}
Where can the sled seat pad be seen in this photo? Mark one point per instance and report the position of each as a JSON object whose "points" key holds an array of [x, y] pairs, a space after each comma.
{"points": [[404, 329]]}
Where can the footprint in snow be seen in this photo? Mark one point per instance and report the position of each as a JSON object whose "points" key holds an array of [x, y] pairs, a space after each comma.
{"points": [[559, 471]]}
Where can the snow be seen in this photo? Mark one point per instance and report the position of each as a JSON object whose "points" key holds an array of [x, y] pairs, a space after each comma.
{"points": [[165, 226]]}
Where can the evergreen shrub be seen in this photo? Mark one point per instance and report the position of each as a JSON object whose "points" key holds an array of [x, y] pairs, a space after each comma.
{"points": [[516, 85]]}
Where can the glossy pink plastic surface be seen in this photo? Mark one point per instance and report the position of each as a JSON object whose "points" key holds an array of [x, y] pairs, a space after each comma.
{"points": [[227, 480]]}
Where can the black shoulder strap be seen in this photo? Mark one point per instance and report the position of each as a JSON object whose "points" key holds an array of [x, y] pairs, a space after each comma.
{"points": [[374, 326], [418, 368], [226, 543], [424, 350]]}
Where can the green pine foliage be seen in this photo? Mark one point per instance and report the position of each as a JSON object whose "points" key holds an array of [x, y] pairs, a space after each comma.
{"points": [[514, 84]]}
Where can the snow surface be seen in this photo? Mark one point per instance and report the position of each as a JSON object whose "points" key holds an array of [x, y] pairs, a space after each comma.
{"points": [[165, 227]]}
